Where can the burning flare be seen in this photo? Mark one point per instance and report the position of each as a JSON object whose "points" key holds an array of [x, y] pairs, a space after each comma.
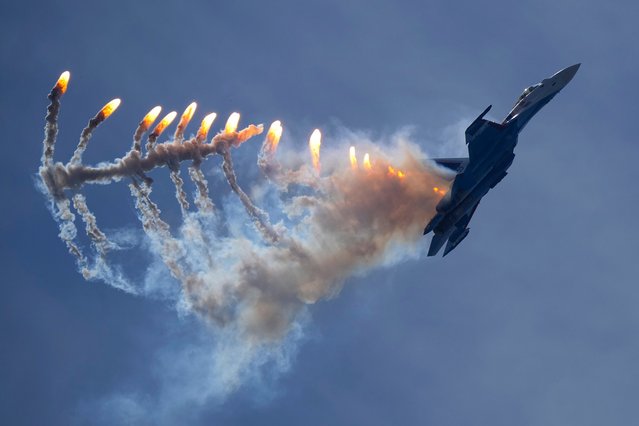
{"points": [[232, 123], [314, 144], [396, 173], [187, 115], [162, 125], [353, 158], [367, 162], [109, 109], [150, 117], [62, 83], [204, 127], [273, 136]]}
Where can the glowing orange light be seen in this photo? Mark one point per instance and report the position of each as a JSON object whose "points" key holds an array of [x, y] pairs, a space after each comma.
{"points": [[109, 108], [187, 115], [314, 144], [247, 133], [439, 191], [63, 82], [274, 134], [353, 158], [205, 126], [162, 125], [150, 117], [396, 173], [367, 162], [232, 123]]}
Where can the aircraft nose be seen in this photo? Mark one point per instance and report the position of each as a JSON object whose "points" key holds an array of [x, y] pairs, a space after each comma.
{"points": [[567, 74]]}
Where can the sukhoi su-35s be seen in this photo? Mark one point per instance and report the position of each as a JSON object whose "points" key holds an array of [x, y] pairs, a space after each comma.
{"points": [[490, 153]]}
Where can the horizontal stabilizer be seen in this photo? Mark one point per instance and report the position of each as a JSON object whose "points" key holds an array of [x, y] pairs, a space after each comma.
{"points": [[456, 165], [436, 243], [455, 239]]}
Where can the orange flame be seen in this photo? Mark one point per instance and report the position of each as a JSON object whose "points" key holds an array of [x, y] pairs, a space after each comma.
{"points": [[353, 158], [367, 162], [63, 82], [150, 117], [187, 115], [205, 126], [232, 123], [109, 108], [439, 191], [396, 173], [162, 125], [314, 144], [274, 134]]}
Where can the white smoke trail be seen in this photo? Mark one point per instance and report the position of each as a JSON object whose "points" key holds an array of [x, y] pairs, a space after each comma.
{"points": [[68, 232], [100, 268], [180, 195], [157, 230], [259, 217], [97, 236], [202, 200]]}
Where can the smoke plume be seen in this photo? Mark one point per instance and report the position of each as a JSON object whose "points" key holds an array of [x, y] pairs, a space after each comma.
{"points": [[252, 287]]}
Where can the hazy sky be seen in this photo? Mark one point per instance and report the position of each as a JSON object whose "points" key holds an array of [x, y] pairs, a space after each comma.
{"points": [[533, 320]]}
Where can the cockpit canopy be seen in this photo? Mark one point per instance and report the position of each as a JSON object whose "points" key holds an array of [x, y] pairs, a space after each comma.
{"points": [[519, 105], [528, 91]]}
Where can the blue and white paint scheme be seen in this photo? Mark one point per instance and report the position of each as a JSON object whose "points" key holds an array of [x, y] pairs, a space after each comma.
{"points": [[490, 153]]}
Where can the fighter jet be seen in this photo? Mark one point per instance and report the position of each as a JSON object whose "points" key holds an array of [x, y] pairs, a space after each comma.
{"points": [[490, 153]]}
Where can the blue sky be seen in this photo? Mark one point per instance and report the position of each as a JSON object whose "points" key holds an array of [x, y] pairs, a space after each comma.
{"points": [[532, 320]]}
